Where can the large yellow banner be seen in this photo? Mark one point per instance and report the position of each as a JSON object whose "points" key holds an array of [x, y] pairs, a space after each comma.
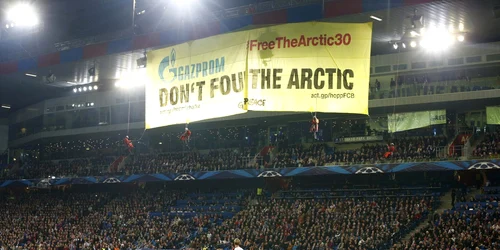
{"points": [[197, 80], [303, 67], [311, 67]]}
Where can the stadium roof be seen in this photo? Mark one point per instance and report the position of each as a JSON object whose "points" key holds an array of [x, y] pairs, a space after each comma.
{"points": [[478, 18]]}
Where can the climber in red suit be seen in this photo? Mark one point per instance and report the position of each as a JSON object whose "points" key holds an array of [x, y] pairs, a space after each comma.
{"points": [[390, 150], [314, 127], [128, 144], [186, 135]]}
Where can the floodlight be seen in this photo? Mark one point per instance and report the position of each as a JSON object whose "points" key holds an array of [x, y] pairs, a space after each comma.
{"points": [[132, 79], [95, 87], [414, 33], [413, 44], [184, 3], [22, 15], [7, 26], [461, 27], [438, 39], [85, 88], [79, 89], [460, 38], [395, 46], [75, 90], [404, 45]]}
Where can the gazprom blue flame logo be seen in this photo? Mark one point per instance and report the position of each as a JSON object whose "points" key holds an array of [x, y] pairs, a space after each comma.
{"points": [[167, 62]]}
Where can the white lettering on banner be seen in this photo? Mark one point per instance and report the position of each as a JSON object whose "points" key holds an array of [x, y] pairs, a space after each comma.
{"points": [[359, 139]]}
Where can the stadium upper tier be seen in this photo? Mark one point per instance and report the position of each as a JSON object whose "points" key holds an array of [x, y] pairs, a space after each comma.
{"points": [[107, 159]]}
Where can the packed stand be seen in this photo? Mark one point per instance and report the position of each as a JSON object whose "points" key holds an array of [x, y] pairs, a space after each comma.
{"points": [[83, 148], [489, 146], [157, 219], [318, 222], [64, 168], [406, 150], [468, 225], [300, 156], [46, 221], [185, 162], [132, 221]]}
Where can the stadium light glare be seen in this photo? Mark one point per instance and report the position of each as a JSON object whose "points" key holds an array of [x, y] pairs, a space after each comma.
{"points": [[75, 90], [461, 27], [79, 89], [395, 46], [95, 87], [413, 44], [404, 45], [85, 88], [460, 38], [181, 4], [22, 15], [132, 80], [7, 26], [437, 40], [414, 33]]}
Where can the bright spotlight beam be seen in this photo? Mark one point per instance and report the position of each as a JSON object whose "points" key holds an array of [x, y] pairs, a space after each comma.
{"points": [[22, 15], [437, 40]]}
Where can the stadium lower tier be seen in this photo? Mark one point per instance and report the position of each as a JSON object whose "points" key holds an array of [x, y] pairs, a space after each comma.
{"points": [[407, 211], [146, 218], [467, 225]]}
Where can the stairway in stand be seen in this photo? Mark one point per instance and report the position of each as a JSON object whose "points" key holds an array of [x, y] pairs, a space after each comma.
{"points": [[266, 150], [117, 164], [457, 145]]}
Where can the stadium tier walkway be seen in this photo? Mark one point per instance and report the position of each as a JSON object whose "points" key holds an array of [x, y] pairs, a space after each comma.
{"points": [[444, 204]]}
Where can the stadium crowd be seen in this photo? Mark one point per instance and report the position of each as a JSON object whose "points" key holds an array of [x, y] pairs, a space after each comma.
{"points": [[489, 145], [96, 221], [190, 161], [162, 219], [469, 225], [409, 149], [318, 224]]}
